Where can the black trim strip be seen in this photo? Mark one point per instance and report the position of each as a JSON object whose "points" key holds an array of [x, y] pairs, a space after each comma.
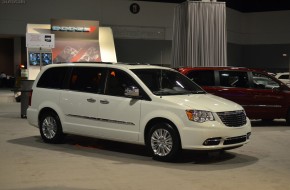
{"points": [[264, 106], [102, 119]]}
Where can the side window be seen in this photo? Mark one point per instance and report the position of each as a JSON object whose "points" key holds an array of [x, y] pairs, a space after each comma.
{"points": [[117, 82], [202, 78], [53, 78], [262, 81], [234, 79], [87, 79]]}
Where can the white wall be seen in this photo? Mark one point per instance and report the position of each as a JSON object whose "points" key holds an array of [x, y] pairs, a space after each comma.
{"points": [[109, 12], [243, 28], [253, 38]]}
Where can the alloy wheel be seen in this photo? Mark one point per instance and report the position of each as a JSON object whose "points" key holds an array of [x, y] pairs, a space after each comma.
{"points": [[161, 142], [49, 127]]}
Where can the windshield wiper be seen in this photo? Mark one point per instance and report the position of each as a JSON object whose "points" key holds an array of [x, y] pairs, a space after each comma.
{"points": [[198, 92], [162, 93]]}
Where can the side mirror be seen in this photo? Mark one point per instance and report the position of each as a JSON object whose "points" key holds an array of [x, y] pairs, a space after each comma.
{"points": [[132, 92]]}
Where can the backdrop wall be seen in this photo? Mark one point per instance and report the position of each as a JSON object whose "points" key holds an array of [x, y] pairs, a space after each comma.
{"points": [[253, 38]]}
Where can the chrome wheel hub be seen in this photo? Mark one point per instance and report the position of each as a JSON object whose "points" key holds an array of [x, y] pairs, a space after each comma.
{"points": [[161, 142], [49, 127]]}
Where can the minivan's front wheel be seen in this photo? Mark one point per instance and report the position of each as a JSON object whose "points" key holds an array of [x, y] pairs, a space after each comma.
{"points": [[163, 141], [50, 128]]}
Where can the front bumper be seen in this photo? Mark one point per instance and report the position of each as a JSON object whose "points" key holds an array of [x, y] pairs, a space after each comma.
{"points": [[214, 136], [32, 116]]}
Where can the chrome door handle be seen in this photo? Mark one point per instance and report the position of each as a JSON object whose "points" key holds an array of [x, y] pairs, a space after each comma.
{"points": [[91, 100], [104, 101]]}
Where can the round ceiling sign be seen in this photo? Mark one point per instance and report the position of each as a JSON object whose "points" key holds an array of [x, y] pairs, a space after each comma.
{"points": [[134, 8]]}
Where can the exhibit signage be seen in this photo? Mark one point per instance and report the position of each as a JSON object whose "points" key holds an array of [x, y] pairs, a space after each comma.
{"points": [[81, 29], [76, 40], [73, 29], [40, 40]]}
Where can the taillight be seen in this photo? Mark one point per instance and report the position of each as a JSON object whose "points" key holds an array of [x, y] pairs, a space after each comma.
{"points": [[30, 97]]}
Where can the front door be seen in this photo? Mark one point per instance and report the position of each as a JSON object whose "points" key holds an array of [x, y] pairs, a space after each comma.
{"points": [[119, 115], [269, 99]]}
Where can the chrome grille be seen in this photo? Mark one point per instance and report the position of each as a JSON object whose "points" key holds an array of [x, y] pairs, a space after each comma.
{"points": [[233, 118]]}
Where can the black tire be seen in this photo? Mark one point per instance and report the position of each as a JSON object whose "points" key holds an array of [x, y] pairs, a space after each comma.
{"points": [[288, 118], [163, 142], [50, 128]]}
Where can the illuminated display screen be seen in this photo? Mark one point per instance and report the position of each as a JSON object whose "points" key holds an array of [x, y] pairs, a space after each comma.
{"points": [[46, 58], [34, 59]]}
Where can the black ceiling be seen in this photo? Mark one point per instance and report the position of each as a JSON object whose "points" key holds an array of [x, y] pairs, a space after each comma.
{"points": [[247, 5]]}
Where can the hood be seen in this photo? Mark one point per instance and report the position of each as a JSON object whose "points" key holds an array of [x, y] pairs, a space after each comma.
{"points": [[207, 102]]}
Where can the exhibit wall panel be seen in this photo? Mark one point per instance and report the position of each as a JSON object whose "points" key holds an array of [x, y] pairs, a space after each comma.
{"points": [[272, 57], [259, 40], [109, 12], [267, 28], [151, 17], [235, 26], [258, 28], [155, 52], [150, 13], [107, 45], [235, 54]]}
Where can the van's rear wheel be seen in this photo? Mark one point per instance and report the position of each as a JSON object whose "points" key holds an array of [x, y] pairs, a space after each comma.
{"points": [[163, 141], [50, 128]]}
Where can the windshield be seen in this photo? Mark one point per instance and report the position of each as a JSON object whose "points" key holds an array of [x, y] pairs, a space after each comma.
{"points": [[167, 82]]}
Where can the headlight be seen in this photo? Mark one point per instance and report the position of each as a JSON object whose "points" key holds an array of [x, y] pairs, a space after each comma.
{"points": [[199, 115]]}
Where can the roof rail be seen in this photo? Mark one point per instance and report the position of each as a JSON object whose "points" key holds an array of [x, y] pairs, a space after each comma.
{"points": [[133, 63], [93, 62]]}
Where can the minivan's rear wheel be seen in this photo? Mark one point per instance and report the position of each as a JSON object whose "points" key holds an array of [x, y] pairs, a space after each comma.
{"points": [[163, 141], [50, 128]]}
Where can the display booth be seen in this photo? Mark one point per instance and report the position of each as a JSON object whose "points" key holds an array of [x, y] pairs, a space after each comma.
{"points": [[65, 41]]}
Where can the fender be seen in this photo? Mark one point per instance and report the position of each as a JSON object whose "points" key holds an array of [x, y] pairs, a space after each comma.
{"points": [[176, 119]]}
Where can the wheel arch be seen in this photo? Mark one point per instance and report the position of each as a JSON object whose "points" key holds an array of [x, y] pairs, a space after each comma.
{"points": [[156, 120], [53, 129], [46, 110]]}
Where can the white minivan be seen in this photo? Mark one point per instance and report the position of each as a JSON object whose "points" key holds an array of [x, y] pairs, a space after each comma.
{"points": [[141, 104]]}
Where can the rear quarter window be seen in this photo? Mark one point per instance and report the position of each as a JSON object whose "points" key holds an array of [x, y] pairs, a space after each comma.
{"points": [[52, 78]]}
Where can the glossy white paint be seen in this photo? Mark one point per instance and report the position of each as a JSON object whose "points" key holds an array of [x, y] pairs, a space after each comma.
{"points": [[125, 119]]}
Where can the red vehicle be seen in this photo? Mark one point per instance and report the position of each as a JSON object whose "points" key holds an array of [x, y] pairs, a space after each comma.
{"points": [[262, 95]]}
